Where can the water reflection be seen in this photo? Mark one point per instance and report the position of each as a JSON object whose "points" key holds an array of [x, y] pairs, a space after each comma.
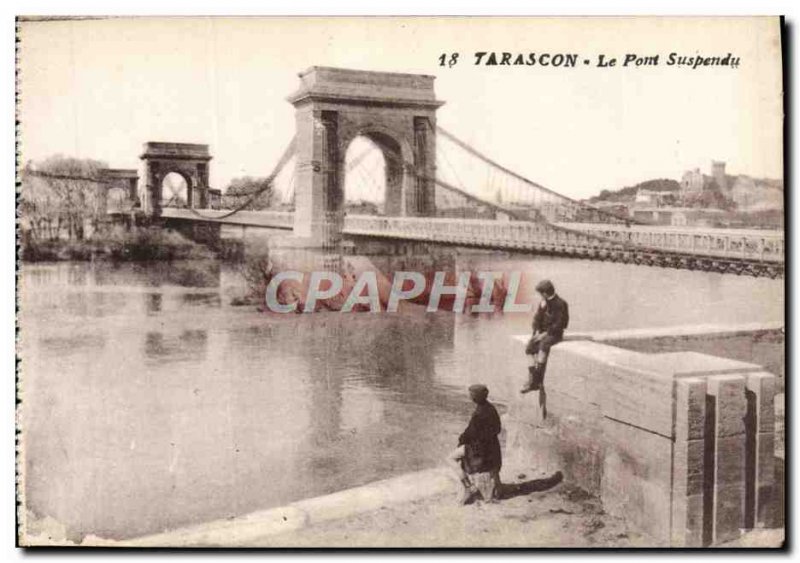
{"points": [[205, 299], [153, 303], [189, 345]]}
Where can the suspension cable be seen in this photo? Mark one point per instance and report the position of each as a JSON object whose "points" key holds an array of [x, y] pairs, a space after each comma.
{"points": [[512, 213], [473, 151], [285, 157]]}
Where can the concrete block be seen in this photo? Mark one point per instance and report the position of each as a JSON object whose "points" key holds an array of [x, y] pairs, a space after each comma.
{"points": [[728, 514], [694, 364], [640, 399], [530, 451], [763, 485], [675, 443], [597, 373], [726, 452], [690, 408], [729, 460], [729, 404], [565, 405], [766, 457], [637, 477], [531, 443], [574, 373], [688, 467], [688, 463], [766, 508], [761, 398], [580, 448], [528, 408], [687, 521]]}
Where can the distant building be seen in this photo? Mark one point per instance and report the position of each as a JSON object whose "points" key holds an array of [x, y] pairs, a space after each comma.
{"points": [[718, 175], [749, 194], [651, 197], [692, 182]]}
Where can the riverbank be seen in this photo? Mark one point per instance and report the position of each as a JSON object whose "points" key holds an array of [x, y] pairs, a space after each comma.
{"points": [[417, 510], [560, 517], [138, 244]]}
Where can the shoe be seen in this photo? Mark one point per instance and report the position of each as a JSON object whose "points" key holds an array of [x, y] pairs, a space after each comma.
{"points": [[467, 496], [535, 378]]}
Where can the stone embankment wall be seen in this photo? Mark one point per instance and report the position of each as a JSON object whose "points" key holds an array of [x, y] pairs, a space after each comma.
{"points": [[681, 444]]}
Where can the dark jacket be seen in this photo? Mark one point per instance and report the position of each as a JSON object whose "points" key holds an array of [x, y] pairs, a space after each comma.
{"points": [[552, 318], [481, 446]]}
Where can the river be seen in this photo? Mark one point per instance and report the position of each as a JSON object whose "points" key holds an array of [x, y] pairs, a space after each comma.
{"points": [[150, 402]]}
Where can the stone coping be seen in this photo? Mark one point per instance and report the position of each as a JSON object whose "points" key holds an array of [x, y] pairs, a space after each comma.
{"points": [[668, 332], [226, 532]]}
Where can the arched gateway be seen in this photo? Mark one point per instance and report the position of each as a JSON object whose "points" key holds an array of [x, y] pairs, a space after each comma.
{"points": [[334, 106], [176, 175], [120, 189]]}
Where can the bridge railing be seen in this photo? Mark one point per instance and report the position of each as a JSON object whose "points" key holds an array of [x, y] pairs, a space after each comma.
{"points": [[764, 245], [751, 245], [512, 235], [570, 238]]}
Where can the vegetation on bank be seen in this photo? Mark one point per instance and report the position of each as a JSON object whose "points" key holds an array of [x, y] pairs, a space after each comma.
{"points": [[61, 197], [629, 193], [139, 244]]}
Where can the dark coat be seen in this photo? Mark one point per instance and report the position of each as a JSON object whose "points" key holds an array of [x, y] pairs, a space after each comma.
{"points": [[552, 317], [481, 446]]}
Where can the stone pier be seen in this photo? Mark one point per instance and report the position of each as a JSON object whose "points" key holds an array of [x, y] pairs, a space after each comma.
{"points": [[680, 444]]}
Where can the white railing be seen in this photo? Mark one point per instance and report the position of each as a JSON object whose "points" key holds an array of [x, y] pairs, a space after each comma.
{"points": [[766, 246], [752, 245]]}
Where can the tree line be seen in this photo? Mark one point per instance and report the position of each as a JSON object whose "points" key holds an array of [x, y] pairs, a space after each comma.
{"points": [[60, 196]]}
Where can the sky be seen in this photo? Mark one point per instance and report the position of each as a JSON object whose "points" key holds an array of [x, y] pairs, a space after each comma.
{"points": [[102, 88]]}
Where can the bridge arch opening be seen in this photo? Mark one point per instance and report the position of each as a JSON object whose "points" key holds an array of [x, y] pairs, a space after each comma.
{"points": [[373, 178], [175, 190]]}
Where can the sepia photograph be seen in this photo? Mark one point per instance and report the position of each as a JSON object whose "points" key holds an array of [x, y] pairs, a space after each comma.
{"points": [[401, 282]]}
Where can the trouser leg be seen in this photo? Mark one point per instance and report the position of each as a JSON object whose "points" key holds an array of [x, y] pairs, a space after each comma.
{"points": [[531, 351], [538, 353], [453, 462], [544, 348], [466, 488], [496, 493]]}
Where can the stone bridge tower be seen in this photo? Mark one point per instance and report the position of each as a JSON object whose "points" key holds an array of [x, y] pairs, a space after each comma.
{"points": [[334, 106], [188, 160]]}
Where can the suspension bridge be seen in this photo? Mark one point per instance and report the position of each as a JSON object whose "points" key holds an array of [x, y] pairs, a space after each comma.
{"points": [[435, 188]]}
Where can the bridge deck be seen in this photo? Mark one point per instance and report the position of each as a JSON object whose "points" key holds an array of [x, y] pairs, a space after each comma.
{"points": [[583, 239]]}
